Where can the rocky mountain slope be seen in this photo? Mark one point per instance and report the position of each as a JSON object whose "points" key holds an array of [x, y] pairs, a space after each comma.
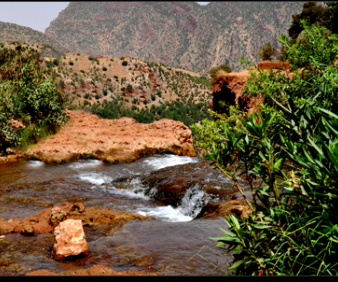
{"points": [[13, 32], [181, 34]]}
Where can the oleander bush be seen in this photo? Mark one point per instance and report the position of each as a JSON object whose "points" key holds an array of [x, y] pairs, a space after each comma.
{"points": [[291, 146]]}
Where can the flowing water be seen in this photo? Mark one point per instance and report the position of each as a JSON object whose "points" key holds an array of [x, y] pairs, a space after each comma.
{"points": [[166, 245]]}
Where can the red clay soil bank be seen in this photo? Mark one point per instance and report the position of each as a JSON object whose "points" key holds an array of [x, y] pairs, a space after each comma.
{"points": [[97, 270], [121, 140], [228, 87], [46, 220]]}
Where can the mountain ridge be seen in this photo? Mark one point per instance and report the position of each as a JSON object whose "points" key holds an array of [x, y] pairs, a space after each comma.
{"points": [[14, 32], [181, 34]]}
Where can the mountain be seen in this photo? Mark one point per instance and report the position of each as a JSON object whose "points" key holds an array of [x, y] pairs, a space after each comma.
{"points": [[181, 34], [13, 32]]}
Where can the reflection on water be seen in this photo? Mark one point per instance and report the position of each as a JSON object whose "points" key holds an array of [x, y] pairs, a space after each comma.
{"points": [[164, 245]]}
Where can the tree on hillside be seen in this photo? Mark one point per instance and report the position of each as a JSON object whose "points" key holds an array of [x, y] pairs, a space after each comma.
{"points": [[312, 13], [267, 52], [215, 70]]}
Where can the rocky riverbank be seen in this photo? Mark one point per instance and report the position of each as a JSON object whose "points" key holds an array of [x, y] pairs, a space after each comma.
{"points": [[122, 140]]}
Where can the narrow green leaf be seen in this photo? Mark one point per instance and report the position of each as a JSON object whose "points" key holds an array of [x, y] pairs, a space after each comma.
{"points": [[237, 264]]}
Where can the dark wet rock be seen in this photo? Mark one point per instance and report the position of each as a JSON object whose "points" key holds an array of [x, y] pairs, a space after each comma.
{"points": [[42, 273], [187, 186]]}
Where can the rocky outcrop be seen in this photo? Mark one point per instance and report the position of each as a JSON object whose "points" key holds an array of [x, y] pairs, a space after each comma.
{"points": [[48, 219], [70, 239], [267, 65], [228, 88], [96, 270], [178, 34], [121, 140]]}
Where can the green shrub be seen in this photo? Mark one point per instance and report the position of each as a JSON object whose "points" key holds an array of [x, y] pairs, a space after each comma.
{"points": [[213, 72], [49, 64], [28, 94], [97, 96], [111, 59], [105, 92], [71, 63], [124, 63], [291, 145], [86, 96], [122, 58], [129, 87], [82, 71], [78, 54], [104, 68], [55, 62], [86, 103], [153, 97]]}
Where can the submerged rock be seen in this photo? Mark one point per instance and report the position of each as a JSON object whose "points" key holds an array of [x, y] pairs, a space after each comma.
{"points": [[96, 270], [70, 239]]}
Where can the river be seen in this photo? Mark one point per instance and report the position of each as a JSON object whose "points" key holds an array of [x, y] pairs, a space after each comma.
{"points": [[167, 245]]}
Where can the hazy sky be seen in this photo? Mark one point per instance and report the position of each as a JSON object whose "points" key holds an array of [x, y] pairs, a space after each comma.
{"points": [[36, 15]]}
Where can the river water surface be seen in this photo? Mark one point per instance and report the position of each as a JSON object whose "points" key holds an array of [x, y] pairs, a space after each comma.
{"points": [[166, 245]]}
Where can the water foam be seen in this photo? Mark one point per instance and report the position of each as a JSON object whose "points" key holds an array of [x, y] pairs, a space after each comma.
{"points": [[95, 178], [166, 213], [127, 193], [35, 163], [169, 160], [85, 164], [193, 201]]}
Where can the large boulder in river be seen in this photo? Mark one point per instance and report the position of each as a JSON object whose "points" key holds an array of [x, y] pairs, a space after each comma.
{"points": [[70, 239], [189, 186], [122, 140]]}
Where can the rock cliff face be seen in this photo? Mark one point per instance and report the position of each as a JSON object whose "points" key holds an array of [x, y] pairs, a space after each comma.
{"points": [[228, 87], [182, 34]]}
